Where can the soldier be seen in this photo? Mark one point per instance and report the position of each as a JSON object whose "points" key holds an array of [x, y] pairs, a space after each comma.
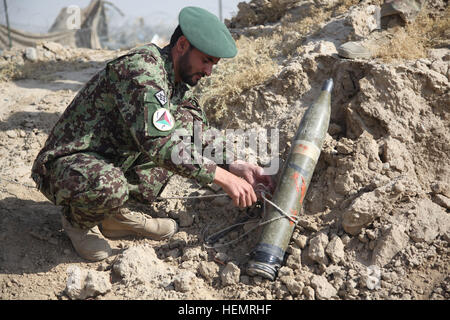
{"points": [[114, 140]]}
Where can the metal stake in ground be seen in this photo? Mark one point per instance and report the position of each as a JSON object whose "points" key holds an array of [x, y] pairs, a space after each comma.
{"points": [[7, 23]]}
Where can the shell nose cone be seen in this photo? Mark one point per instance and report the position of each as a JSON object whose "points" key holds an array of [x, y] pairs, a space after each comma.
{"points": [[328, 85]]}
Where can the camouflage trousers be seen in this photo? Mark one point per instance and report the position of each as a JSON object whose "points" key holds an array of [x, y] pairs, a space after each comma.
{"points": [[89, 187]]}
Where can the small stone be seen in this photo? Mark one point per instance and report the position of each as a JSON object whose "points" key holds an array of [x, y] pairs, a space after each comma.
{"points": [[294, 262], [184, 281], [392, 242], [11, 134], [398, 187], [285, 271], [317, 248], [82, 284], [31, 54], [441, 187], [208, 270], [443, 201], [191, 253], [308, 292], [309, 225], [186, 219], [294, 259], [323, 289], [174, 253], [295, 287], [141, 263], [345, 239], [230, 274], [371, 234], [221, 257], [300, 241], [335, 249], [245, 280], [179, 239]]}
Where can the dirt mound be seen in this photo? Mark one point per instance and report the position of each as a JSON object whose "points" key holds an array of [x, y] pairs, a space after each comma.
{"points": [[376, 223]]}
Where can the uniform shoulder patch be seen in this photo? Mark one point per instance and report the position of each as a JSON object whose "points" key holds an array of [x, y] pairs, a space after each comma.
{"points": [[163, 120], [161, 96]]}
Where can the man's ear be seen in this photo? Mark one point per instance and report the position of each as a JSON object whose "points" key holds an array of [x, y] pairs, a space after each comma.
{"points": [[182, 45]]}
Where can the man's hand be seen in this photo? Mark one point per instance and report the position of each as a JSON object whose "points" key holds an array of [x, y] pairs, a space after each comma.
{"points": [[253, 174], [238, 189]]}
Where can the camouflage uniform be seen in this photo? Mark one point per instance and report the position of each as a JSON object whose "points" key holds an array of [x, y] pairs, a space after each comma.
{"points": [[105, 147]]}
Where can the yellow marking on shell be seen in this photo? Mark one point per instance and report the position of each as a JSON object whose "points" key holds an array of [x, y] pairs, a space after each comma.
{"points": [[307, 148]]}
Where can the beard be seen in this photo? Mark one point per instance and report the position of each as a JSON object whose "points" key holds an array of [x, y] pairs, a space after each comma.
{"points": [[186, 74]]}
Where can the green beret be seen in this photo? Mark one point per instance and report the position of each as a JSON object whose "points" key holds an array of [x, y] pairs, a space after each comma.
{"points": [[206, 32]]}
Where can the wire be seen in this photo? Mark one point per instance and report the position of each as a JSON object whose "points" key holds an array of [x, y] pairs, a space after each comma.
{"points": [[260, 223]]}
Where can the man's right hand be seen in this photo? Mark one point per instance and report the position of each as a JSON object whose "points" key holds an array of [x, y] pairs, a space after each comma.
{"points": [[239, 190]]}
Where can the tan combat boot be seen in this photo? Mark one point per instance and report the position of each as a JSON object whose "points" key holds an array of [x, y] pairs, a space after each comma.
{"points": [[127, 223], [88, 243]]}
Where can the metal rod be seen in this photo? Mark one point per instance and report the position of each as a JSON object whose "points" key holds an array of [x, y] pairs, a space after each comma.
{"points": [[7, 23]]}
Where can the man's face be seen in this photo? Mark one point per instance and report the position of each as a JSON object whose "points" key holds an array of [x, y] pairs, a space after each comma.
{"points": [[194, 65]]}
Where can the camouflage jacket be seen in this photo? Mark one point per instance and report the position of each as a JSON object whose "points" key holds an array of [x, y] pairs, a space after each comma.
{"points": [[112, 116]]}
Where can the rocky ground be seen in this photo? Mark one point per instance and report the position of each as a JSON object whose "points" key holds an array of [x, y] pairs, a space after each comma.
{"points": [[376, 223]]}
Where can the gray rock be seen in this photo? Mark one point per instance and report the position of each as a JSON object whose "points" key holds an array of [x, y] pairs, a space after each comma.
{"points": [[230, 274], [335, 249], [300, 240], [431, 220], [192, 253], [294, 286], [186, 218], [308, 292], [442, 200], [361, 212], [31, 54], [294, 260], [179, 239], [440, 187], [323, 289], [82, 283], [317, 247], [391, 242], [11, 134], [141, 263], [184, 281], [208, 270]]}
